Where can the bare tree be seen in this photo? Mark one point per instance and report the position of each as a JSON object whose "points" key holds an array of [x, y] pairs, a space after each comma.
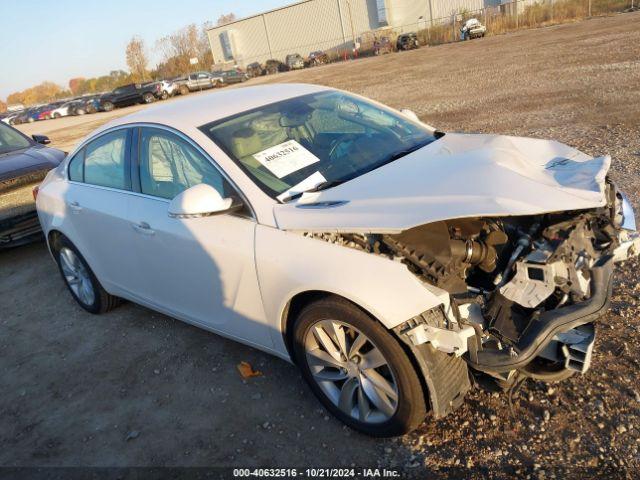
{"points": [[205, 57], [178, 48], [226, 18], [137, 59]]}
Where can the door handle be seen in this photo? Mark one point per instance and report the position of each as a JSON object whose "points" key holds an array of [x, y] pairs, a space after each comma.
{"points": [[143, 227], [75, 207]]}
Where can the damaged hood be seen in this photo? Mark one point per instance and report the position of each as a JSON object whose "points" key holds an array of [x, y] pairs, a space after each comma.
{"points": [[459, 175]]}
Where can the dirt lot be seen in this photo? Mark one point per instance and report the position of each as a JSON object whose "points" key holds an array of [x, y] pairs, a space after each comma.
{"points": [[137, 388]]}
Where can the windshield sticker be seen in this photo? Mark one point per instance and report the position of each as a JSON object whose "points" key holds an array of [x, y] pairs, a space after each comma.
{"points": [[306, 184], [286, 158]]}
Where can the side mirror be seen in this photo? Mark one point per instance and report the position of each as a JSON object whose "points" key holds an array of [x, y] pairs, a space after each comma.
{"points": [[199, 201], [42, 139]]}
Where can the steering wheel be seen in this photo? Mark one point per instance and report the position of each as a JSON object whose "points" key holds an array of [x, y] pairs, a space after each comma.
{"points": [[339, 141]]}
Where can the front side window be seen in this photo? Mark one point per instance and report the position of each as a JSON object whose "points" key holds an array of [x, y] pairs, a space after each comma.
{"points": [[323, 138], [105, 161], [169, 165]]}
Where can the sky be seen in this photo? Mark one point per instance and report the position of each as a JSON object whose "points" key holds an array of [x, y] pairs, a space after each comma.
{"points": [[57, 40]]}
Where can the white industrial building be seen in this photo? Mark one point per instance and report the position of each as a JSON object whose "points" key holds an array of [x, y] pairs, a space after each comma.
{"points": [[327, 25]]}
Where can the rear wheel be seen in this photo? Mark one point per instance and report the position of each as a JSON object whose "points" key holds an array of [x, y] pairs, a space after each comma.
{"points": [[357, 369], [184, 90], [107, 106], [80, 280]]}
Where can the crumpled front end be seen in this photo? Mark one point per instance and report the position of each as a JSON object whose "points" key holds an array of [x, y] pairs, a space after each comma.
{"points": [[525, 291]]}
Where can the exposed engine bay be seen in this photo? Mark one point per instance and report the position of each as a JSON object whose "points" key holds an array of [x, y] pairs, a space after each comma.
{"points": [[524, 290]]}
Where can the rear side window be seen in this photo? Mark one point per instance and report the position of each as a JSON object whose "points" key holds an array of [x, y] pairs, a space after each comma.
{"points": [[105, 161], [76, 167]]}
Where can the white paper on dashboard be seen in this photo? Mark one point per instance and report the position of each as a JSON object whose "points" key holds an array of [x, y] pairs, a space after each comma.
{"points": [[286, 158], [309, 182]]}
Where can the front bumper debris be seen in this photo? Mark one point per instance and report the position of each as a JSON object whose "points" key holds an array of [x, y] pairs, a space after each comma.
{"points": [[547, 325], [573, 348], [442, 339]]}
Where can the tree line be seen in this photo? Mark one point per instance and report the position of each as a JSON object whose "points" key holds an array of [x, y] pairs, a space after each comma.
{"points": [[176, 52]]}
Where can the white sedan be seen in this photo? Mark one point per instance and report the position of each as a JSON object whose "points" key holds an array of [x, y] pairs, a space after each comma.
{"points": [[383, 257], [63, 110]]}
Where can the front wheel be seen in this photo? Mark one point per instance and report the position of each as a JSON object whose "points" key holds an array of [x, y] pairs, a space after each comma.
{"points": [[357, 369], [80, 280], [148, 98]]}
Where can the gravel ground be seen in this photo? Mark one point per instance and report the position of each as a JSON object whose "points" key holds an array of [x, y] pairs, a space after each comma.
{"points": [[137, 388]]}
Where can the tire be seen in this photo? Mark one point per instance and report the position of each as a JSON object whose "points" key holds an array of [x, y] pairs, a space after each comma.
{"points": [[56, 115], [148, 98], [402, 411], [107, 106], [31, 120], [164, 95], [80, 111], [71, 262], [184, 90]]}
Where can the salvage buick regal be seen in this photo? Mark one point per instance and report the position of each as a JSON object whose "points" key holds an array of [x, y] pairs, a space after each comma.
{"points": [[387, 259]]}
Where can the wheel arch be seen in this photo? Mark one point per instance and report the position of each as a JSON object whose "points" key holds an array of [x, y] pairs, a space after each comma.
{"points": [[53, 238], [301, 299]]}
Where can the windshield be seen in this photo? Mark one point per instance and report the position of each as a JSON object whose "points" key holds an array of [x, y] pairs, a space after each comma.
{"points": [[315, 141], [11, 140]]}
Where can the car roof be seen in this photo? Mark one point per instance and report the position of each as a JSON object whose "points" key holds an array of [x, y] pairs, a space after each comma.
{"points": [[197, 110]]}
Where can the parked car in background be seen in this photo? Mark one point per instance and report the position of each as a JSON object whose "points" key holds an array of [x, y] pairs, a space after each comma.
{"points": [[294, 61], [391, 262], [255, 70], [29, 115], [168, 89], [382, 45], [64, 110], [273, 66], [46, 113], [24, 162], [90, 103], [232, 76], [198, 81], [78, 107], [10, 117], [407, 41], [472, 28], [317, 58], [130, 95]]}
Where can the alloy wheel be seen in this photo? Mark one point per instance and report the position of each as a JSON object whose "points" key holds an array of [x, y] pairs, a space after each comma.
{"points": [[351, 371], [76, 276]]}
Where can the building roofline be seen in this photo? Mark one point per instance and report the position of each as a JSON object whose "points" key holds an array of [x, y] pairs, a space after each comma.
{"points": [[260, 14]]}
